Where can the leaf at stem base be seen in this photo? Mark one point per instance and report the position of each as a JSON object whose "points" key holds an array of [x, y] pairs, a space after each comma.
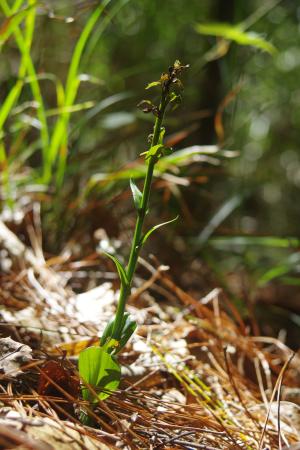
{"points": [[101, 371]]}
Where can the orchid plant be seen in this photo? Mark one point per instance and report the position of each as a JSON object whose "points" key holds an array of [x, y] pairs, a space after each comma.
{"points": [[98, 366]]}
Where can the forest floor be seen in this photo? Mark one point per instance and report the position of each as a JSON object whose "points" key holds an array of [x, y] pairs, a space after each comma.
{"points": [[193, 377]]}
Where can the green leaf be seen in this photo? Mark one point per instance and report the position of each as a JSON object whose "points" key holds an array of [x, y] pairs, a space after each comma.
{"points": [[137, 195], [159, 150], [167, 151], [286, 266], [225, 242], [100, 370], [161, 135], [222, 213], [237, 34], [146, 236], [111, 346], [120, 268], [153, 84], [194, 154], [107, 332], [9, 25], [154, 152], [179, 158], [129, 327]]}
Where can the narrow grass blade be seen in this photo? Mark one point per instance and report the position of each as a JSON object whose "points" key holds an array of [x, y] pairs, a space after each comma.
{"points": [[226, 209], [237, 34], [59, 139]]}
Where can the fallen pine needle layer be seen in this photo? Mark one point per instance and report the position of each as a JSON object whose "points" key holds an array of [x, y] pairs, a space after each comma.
{"points": [[193, 376]]}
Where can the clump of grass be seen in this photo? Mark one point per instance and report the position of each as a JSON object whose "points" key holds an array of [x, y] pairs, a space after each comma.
{"points": [[52, 136]]}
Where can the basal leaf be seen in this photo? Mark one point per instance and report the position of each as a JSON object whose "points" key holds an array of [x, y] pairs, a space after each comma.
{"points": [[100, 370], [146, 236], [237, 34], [137, 195], [120, 268]]}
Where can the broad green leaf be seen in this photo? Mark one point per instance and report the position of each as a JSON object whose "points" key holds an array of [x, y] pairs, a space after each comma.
{"points": [[237, 34], [137, 195], [100, 370], [120, 268], [146, 236], [153, 84]]}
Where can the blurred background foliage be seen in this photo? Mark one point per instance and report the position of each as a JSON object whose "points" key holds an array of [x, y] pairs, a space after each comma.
{"points": [[72, 73]]}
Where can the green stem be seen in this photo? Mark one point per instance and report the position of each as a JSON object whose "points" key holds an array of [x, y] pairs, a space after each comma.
{"points": [[138, 232]]}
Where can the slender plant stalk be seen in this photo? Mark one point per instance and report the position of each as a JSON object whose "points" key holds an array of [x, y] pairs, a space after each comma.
{"points": [[138, 233]]}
